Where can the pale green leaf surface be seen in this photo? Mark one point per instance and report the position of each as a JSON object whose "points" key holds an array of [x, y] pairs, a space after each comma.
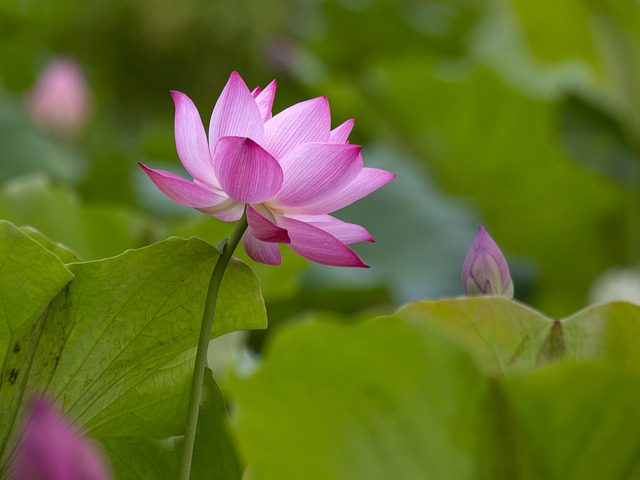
{"points": [[395, 398], [608, 332], [576, 422], [504, 336], [384, 399], [118, 343]]}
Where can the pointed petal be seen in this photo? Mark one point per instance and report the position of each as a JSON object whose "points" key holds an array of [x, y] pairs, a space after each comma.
{"points": [[264, 99], [236, 114], [183, 191], [367, 181], [191, 141], [347, 233], [340, 134], [315, 171], [318, 245], [263, 229], [263, 252], [304, 122], [246, 172]]}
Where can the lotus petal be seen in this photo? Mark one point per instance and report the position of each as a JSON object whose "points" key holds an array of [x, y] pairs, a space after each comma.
{"points": [[191, 141], [246, 172], [319, 246], [236, 114], [263, 252], [315, 171], [303, 122]]}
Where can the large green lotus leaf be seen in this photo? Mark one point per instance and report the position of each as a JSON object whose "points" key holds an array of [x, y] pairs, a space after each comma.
{"points": [[117, 343], [489, 142], [504, 335], [608, 332], [93, 231], [395, 398], [388, 398], [575, 422], [30, 277], [214, 456]]}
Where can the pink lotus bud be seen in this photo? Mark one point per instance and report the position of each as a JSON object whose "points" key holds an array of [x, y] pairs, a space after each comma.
{"points": [[50, 449], [485, 270], [60, 100]]}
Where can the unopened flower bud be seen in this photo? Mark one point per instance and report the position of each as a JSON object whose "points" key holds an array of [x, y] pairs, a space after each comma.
{"points": [[50, 449], [485, 270], [60, 100]]}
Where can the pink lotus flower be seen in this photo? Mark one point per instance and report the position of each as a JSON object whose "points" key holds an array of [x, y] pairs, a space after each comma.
{"points": [[50, 449], [290, 170], [485, 270], [60, 101]]}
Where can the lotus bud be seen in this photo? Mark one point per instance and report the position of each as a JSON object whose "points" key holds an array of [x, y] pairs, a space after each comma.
{"points": [[60, 101], [485, 270], [50, 449]]}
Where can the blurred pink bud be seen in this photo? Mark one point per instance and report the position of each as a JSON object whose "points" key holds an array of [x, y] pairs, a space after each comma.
{"points": [[485, 270], [50, 449], [60, 101]]}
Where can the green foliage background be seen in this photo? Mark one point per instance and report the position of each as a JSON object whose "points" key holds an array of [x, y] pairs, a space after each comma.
{"points": [[491, 112], [523, 116]]}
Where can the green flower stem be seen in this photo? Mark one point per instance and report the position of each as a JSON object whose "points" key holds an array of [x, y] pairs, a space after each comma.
{"points": [[226, 251]]}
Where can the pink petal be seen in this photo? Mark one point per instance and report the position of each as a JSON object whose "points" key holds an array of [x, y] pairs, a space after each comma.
{"points": [[264, 99], [191, 141], [263, 252], [347, 233], [236, 114], [318, 245], [303, 122], [367, 181], [315, 171], [340, 134], [263, 229], [183, 191], [246, 172]]}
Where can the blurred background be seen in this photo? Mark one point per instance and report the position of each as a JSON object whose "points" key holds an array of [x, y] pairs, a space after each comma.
{"points": [[522, 116]]}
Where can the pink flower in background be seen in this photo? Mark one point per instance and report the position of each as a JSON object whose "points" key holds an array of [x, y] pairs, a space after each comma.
{"points": [[50, 449], [60, 100], [290, 170], [485, 270]]}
